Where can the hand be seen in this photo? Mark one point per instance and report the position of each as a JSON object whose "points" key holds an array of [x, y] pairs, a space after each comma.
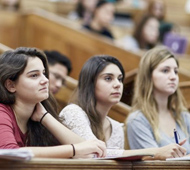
{"points": [[38, 112], [90, 148], [182, 142], [170, 151]]}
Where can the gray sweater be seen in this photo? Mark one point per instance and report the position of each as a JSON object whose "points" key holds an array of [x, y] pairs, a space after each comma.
{"points": [[140, 134]]}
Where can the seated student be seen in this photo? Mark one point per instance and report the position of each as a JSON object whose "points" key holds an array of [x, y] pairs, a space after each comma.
{"points": [[12, 5], [157, 8], [102, 17], [157, 107], [84, 11], [28, 113], [59, 68], [145, 36], [100, 87]]}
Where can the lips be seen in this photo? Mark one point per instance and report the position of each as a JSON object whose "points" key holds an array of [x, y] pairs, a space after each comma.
{"points": [[172, 84], [45, 88], [116, 94]]}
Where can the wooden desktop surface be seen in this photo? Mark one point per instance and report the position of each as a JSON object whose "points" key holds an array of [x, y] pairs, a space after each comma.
{"points": [[81, 164]]}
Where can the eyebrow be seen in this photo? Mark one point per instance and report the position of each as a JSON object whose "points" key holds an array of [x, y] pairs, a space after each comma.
{"points": [[170, 67], [34, 71], [111, 74]]}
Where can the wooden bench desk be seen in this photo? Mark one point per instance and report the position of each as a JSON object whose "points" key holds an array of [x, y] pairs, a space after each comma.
{"points": [[81, 164], [64, 164]]}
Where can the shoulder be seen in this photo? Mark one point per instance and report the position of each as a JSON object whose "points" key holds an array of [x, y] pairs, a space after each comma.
{"points": [[5, 110], [107, 32], [87, 27], [137, 118], [4, 107], [6, 114], [129, 39], [136, 115], [115, 123], [130, 43], [71, 107], [73, 15], [73, 111], [186, 116]]}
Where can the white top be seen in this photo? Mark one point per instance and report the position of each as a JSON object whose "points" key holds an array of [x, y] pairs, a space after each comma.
{"points": [[77, 120], [129, 43]]}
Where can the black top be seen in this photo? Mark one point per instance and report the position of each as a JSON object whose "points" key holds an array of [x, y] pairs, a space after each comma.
{"points": [[104, 31]]}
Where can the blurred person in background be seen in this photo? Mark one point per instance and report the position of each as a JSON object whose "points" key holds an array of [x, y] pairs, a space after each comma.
{"points": [[102, 18], [145, 36], [59, 68], [84, 10], [157, 8], [10, 4]]}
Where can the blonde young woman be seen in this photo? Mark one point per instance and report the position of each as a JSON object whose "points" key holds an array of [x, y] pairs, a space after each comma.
{"points": [[158, 106], [100, 87]]}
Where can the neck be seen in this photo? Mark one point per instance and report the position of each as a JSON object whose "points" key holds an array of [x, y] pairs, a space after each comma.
{"points": [[22, 113], [103, 111], [162, 102], [106, 125]]}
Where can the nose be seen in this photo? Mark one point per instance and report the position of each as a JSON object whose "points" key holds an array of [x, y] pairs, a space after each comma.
{"points": [[173, 75], [117, 83], [44, 79], [59, 83]]}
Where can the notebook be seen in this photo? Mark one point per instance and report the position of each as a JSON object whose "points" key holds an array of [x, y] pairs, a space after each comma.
{"points": [[184, 158], [175, 42]]}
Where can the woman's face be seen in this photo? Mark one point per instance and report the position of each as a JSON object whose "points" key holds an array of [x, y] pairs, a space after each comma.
{"points": [[150, 32], [158, 9], [109, 86], [10, 2], [105, 14], [165, 77], [32, 85], [89, 4]]}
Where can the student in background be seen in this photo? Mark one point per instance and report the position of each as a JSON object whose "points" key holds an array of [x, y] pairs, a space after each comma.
{"points": [[84, 11], [157, 8], [59, 69], [100, 87], [145, 36], [12, 5], [28, 113], [102, 17], [158, 106]]}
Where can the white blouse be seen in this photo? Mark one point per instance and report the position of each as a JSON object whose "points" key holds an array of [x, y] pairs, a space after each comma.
{"points": [[77, 120]]}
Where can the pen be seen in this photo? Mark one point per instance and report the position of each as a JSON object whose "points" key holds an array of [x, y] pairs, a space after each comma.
{"points": [[175, 135]]}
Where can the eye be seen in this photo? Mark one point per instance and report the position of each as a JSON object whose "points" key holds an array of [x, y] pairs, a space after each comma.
{"points": [[176, 71], [120, 79], [34, 75], [165, 70], [108, 78]]}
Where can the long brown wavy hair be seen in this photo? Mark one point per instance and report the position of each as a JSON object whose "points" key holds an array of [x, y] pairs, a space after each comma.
{"points": [[12, 65]]}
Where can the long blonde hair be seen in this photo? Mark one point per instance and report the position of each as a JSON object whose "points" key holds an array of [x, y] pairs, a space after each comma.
{"points": [[143, 99]]}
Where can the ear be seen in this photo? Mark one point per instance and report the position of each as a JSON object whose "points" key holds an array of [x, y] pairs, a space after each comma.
{"points": [[10, 85]]}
